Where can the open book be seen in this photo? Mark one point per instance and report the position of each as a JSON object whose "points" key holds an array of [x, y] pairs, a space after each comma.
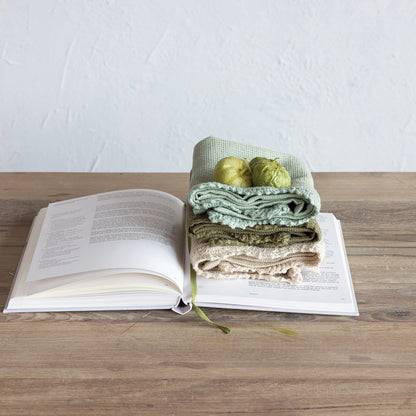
{"points": [[128, 250]]}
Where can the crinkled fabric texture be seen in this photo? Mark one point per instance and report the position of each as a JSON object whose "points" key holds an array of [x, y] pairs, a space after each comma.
{"points": [[282, 264], [247, 207], [205, 231]]}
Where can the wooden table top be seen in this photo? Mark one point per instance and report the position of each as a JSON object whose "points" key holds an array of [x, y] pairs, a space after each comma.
{"points": [[158, 362]]}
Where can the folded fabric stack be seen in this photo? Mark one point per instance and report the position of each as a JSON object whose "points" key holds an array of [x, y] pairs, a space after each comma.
{"points": [[262, 232]]}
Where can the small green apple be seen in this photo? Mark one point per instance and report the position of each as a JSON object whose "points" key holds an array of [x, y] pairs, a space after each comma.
{"points": [[268, 172], [233, 171]]}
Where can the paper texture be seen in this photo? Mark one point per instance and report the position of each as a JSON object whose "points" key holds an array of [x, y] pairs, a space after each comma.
{"points": [[330, 292], [140, 230]]}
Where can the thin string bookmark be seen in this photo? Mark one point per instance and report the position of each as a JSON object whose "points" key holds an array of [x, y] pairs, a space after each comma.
{"points": [[202, 314], [196, 308]]}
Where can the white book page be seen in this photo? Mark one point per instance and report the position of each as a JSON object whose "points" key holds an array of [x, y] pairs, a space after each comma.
{"points": [[141, 230], [330, 292]]}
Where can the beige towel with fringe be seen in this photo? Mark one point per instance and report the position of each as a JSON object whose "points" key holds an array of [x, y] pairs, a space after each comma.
{"points": [[282, 264]]}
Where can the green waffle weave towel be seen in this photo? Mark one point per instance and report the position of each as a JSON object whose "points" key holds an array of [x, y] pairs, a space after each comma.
{"points": [[247, 207], [268, 235]]}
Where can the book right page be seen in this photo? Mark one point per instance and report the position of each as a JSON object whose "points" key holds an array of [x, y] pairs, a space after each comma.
{"points": [[330, 292]]}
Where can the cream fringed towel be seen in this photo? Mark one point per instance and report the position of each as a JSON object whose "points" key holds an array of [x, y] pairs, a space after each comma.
{"points": [[283, 264]]}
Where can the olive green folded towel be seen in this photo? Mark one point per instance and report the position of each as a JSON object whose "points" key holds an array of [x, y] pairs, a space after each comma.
{"points": [[247, 207], [269, 235]]}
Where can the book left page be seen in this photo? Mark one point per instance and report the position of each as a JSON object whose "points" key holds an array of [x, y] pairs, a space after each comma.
{"points": [[121, 231]]}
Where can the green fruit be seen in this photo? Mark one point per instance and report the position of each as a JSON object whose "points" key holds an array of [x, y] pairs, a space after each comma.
{"points": [[233, 171], [267, 172]]}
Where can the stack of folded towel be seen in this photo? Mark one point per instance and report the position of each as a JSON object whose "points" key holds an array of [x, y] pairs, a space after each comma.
{"points": [[263, 233]]}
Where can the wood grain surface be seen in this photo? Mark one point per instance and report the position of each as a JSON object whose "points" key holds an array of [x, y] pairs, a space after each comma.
{"points": [[160, 363]]}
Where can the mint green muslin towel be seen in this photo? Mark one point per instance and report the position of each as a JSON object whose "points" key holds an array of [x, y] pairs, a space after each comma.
{"points": [[247, 207]]}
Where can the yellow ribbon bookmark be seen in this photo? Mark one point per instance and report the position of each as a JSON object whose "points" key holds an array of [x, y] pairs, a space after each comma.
{"points": [[201, 313], [198, 310]]}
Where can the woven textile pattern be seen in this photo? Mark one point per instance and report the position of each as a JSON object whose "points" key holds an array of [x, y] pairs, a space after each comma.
{"points": [[201, 228], [282, 264], [246, 207]]}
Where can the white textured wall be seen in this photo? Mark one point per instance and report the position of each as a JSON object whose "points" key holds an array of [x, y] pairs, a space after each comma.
{"points": [[133, 85]]}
